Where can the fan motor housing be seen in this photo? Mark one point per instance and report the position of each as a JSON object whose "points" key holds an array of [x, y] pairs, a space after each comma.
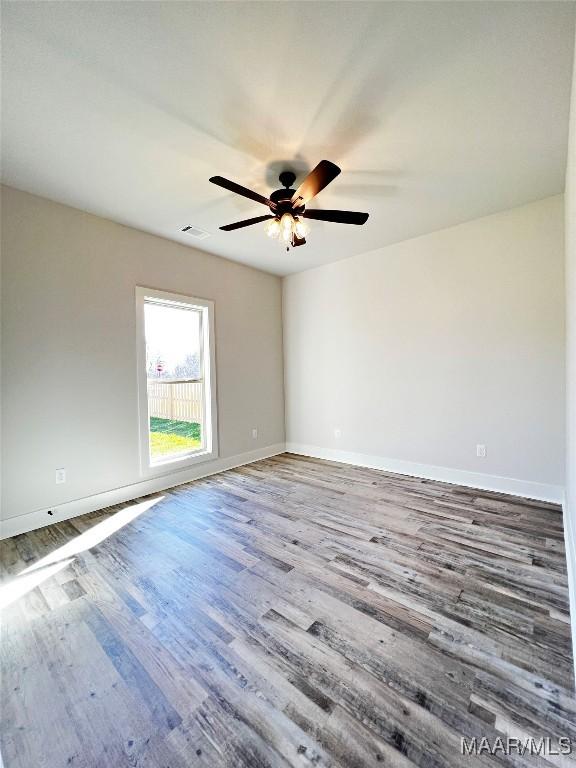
{"points": [[282, 195], [282, 198]]}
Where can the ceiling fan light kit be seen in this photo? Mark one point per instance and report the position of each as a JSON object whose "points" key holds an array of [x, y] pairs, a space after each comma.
{"points": [[287, 229], [288, 206]]}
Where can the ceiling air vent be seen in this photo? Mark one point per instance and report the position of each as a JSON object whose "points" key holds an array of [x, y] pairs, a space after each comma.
{"points": [[199, 234]]}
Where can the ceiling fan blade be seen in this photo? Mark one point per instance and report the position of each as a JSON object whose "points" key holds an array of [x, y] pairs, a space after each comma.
{"points": [[231, 186], [320, 177], [245, 223], [340, 217], [298, 241]]}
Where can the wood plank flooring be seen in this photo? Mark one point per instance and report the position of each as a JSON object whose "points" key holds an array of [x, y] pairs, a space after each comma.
{"points": [[292, 612]]}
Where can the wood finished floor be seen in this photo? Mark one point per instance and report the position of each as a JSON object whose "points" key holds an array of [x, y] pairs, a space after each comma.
{"points": [[293, 612]]}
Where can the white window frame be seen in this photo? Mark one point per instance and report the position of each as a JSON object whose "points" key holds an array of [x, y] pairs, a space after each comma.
{"points": [[209, 450]]}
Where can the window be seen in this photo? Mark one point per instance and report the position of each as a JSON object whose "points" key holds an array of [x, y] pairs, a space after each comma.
{"points": [[177, 386]]}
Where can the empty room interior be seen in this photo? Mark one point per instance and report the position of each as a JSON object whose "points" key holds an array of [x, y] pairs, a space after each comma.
{"points": [[288, 384]]}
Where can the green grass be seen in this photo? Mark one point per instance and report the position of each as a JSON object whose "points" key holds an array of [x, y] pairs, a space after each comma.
{"points": [[169, 436]]}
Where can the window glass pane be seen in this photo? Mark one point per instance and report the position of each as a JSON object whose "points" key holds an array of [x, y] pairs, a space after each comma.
{"points": [[174, 379]]}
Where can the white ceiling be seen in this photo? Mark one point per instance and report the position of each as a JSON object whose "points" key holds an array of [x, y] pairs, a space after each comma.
{"points": [[437, 112]]}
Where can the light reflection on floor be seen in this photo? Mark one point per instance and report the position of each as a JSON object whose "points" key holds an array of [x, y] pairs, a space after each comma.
{"points": [[39, 572]]}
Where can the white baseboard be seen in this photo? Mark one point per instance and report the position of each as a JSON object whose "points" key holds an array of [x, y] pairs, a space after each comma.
{"points": [[12, 526], [524, 488], [570, 540]]}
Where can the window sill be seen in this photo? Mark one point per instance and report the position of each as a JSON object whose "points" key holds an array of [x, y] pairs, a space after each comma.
{"points": [[176, 464]]}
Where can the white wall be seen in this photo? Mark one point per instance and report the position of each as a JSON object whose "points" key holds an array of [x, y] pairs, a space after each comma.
{"points": [[570, 502], [69, 351], [416, 352], [421, 350]]}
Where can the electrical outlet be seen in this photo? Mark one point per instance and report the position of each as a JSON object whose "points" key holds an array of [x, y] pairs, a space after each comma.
{"points": [[481, 451], [254, 434], [60, 476], [337, 433]]}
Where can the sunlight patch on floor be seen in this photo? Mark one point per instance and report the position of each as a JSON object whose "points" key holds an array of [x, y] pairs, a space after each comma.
{"points": [[63, 556], [23, 584], [95, 535]]}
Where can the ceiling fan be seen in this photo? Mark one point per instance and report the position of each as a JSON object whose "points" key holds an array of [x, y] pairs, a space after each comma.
{"points": [[288, 206]]}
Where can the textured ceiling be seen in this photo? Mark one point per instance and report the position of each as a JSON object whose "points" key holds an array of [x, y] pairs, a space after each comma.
{"points": [[437, 112]]}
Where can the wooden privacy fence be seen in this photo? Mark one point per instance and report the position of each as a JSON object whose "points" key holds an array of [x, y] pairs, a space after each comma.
{"points": [[178, 400]]}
